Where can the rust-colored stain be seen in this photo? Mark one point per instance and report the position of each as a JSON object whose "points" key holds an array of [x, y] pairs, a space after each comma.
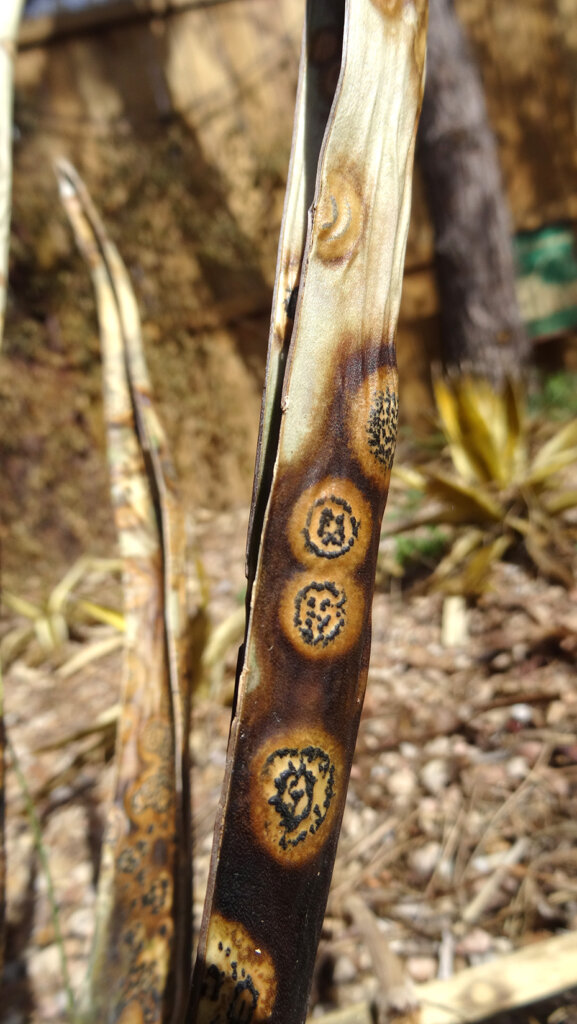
{"points": [[394, 8], [239, 984], [295, 778], [339, 217]]}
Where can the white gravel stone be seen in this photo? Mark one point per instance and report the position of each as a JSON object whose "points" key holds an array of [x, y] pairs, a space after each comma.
{"points": [[435, 776]]}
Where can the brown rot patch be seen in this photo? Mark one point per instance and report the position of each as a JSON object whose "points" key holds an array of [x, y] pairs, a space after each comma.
{"points": [[153, 793], [239, 984], [393, 8], [339, 219], [374, 414], [322, 615], [157, 738], [330, 521], [294, 793]]}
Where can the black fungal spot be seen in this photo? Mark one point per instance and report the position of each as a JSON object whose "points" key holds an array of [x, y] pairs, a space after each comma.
{"points": [[382, 427], [244, 1002], [291, 303], [331, 529], [240, 1004], [304, 783], [213, 980], [320, 612], [156, 896], [128, 861]]}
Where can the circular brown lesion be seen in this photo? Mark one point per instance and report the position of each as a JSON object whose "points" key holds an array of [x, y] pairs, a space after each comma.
{"points": [[157, 738], [339, 219], [322, 616], [239, 983], [295, 789], [374, 414], [152, 793], [330, 520]]}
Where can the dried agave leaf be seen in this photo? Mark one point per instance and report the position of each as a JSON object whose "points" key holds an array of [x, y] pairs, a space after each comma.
{"points": [[141, 951], [547, 560], [13, 644], [89, 653], [464, 461], [463, 503], [483, 427], [317, 80], [326, 447], [516, 440], [563, 441], [460, 550], [473, 576], [560, 503], [541, 470], [105, 721], [227, 634], [98, 613], [21, 605], [433, 514], [10, 13], [407, 477], [82, 567]]}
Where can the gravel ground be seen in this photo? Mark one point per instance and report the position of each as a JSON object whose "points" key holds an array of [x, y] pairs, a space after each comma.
{"points": [[460, 830]]}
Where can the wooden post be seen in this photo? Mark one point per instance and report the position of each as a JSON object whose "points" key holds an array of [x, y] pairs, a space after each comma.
{"points": [[481, 328]]}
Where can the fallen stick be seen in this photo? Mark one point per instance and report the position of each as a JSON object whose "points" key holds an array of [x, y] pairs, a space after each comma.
{"points": [[530, 975]]}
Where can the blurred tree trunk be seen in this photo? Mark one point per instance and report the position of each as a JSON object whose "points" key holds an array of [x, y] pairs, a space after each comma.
{"points": [[481, 328]]}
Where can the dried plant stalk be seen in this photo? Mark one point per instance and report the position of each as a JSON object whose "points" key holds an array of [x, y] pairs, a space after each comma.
{"points": [[140, 963], [10, 12], [327, 440]]}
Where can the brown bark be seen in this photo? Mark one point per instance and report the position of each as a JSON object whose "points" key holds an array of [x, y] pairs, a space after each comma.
{"points": [[481, 328]]}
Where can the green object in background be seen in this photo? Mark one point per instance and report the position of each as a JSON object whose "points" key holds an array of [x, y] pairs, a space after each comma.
{"points": [[547, 279]]}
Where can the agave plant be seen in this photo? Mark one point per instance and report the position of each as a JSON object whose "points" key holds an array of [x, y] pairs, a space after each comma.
{"points": [[505, 486], [326, 446]]}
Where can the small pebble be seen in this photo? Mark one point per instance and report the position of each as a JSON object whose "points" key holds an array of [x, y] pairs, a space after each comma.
{"points": [[517, 768], [424, 860], [435, 776], [402, 783], [477, 942], [422, 968], [501, 662], [557, 712], [345, 971]]}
